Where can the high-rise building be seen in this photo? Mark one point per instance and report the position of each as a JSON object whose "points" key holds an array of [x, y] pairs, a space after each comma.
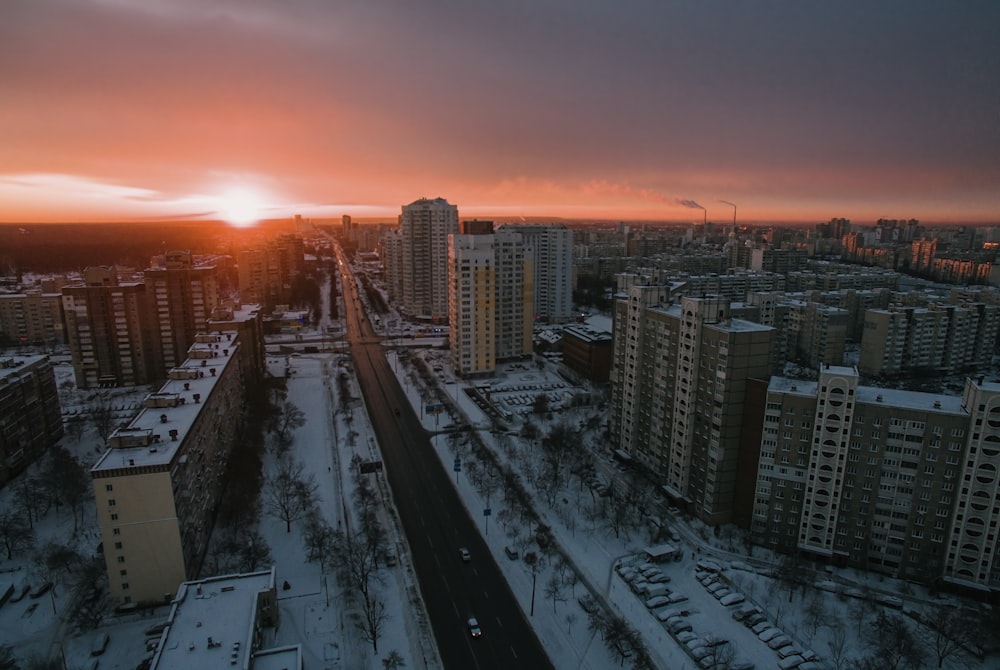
{"points": [[552, 259], [424, 226], [679, 376], [158, 485], [183, 296], [30, 420], [111, 331], [489, 299], [33, 318], [900, 482]]}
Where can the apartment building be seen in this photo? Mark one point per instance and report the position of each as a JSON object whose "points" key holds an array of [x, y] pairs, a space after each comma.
{"points": [[424, 227], [899, 482], [182, 297], [490, 298], [552, 262], [939, 337], [30, 419], [679, 375], [111, 332], [225, 621], [33, 317], [157, 486]]}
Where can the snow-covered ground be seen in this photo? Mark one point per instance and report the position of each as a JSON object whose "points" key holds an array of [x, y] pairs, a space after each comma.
{"points": [[316, 613]]}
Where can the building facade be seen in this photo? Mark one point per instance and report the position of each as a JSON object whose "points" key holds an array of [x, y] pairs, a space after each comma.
{"points": [[490, 298], [34, 318], [157, 486], [679, 375], [111, 332], [424, 227], [899, 482], [551, 249], [30, 418]]}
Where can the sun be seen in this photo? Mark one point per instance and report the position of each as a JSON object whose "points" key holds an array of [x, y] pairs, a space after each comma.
{"points": [[240, 208]]}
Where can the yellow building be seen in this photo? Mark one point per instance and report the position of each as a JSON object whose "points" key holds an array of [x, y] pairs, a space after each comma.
{"points": [[157, 485]]}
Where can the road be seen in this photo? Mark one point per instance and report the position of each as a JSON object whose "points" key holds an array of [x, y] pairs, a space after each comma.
{"points": [[435, 521]]}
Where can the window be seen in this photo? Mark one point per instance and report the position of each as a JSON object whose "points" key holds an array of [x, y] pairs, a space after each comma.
{"points": [[114, 517], [117, 531], [111, 502], [118, 545], [108, 487], [124, 586], [121, 559], [123, 573]]}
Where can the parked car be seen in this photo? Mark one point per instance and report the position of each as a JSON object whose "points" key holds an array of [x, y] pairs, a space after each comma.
{"points": [[676, 598], [99, 644], [657, 601], [679, 626], [779, 642], [732, 599], [719, 594], [769, 634]]}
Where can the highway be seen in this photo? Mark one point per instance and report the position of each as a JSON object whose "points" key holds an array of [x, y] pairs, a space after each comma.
{"points": [[435, 521]]}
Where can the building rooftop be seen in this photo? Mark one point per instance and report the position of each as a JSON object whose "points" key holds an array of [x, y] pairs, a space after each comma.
{"points": [[929, 402], [211, 623], [153, 437], [11, 366]]}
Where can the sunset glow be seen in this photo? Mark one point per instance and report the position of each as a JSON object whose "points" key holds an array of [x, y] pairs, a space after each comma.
{"points": [[795, 112]]}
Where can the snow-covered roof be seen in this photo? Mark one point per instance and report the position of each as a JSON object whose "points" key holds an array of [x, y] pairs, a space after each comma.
{"points": [[149, 439], [211, 622]]}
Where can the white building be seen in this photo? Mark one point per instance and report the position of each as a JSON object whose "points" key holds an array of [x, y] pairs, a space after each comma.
{"points": [[552, 259], [424, 227]]}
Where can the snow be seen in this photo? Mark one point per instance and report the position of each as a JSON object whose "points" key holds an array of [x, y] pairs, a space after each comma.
{"points": [[317, 613]]}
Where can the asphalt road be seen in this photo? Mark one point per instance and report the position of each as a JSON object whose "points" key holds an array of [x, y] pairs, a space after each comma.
{"points": [[436, 524]]}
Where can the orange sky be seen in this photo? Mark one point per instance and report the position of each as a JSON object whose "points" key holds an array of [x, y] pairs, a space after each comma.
{"points": [[126, 109]]}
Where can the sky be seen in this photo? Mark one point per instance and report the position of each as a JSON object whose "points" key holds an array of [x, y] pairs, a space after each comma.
{"points": [[791, 111]]}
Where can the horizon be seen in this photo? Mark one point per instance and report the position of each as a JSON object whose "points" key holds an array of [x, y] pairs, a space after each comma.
{"points": [[783, 112]]}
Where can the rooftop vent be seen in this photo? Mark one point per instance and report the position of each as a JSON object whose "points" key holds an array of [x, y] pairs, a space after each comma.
{"points": [[937, 404]]}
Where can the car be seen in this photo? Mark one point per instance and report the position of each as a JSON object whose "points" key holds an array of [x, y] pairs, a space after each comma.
{"points": [[676, 598], [464, 553], [474, 629], [721, 593], [760, 626], [715, 587], [743, 611], [732, 599], [638, 586], [676, 627], [658, 578], [713, 641], [708, 580], [754, 619], [789, 650], [779, 642], [769, 634], [701, 652], [657, 601], [685, 636]]}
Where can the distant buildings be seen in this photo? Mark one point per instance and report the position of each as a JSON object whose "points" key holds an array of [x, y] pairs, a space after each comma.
{"points": [[266, 272], [34, 318], [158, 485], [30, 419], [551, 249]]}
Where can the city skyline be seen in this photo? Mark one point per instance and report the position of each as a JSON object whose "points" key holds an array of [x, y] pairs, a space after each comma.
{"points": [[780, 112]]}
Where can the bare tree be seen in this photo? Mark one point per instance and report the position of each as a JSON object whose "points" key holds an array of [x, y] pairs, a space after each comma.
{"points": [[373, 620], [319, 538], [393, 661], [893, 645], [254, 551], [837, 644], [102, 416], [949, 633], [570, 619], [68, 482], [31, 498], [289, 494], [554, 591], [289, 418], [15, 535], [815, 611]]}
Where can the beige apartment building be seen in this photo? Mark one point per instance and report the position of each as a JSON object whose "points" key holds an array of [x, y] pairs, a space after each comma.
{"points": [[157, 485], [33, 318], [899, 482], [679, 376], [424, 227], [943, 338], [490, 298]]}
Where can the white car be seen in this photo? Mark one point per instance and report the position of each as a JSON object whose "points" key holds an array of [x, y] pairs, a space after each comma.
{"points": [[657, 601], [732, 599]]}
